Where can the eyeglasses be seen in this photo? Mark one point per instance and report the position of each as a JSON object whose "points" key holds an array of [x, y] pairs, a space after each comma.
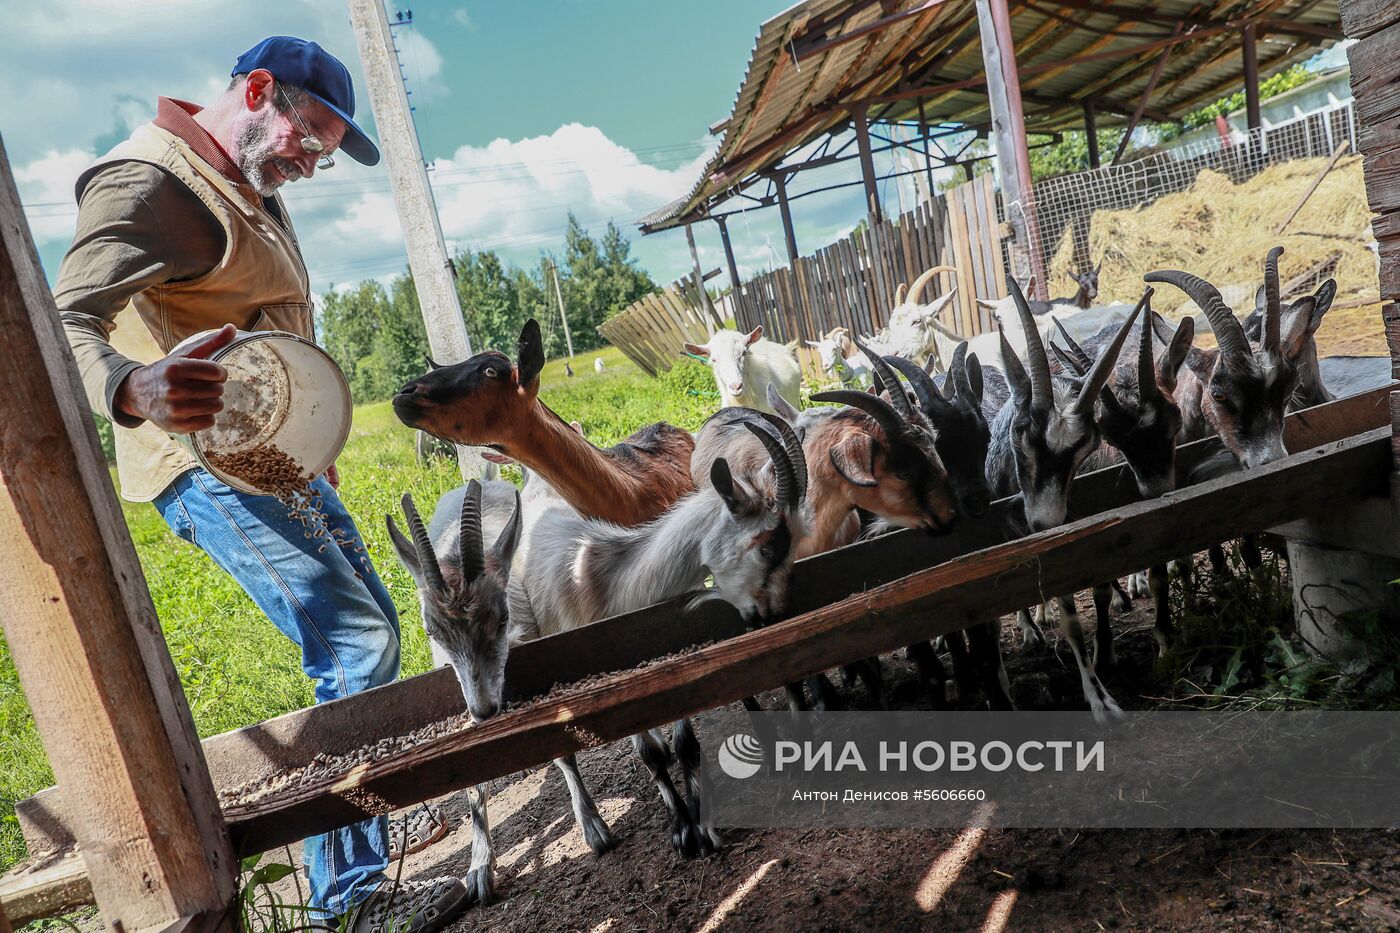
{"points": [[309, 143]]}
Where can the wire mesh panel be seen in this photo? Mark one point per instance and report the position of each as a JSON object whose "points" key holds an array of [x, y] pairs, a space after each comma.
{"points": [[1215, 208]]}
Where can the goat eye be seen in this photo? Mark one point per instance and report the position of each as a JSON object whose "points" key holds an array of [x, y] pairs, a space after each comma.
{"points": [[491, 372], [1219, 395], [766, 551]]}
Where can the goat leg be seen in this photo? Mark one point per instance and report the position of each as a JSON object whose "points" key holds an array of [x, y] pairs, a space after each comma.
{"points": [[1105, 659], [1100, 701], [932, 673], [651, 748], [1217, 559], [824, 695], [1163, 629], [964, 670], [480, 878], [595, 830], [872, 676], [698, 788], [1122, 602], [984, 645], [1031, 634]]}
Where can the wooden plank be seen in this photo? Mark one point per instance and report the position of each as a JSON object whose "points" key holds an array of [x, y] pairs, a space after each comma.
{"points": [[1361, 18], [292, 741], [932, 602], [83, 633], [962, 259], [989, 193], [46, 890]]}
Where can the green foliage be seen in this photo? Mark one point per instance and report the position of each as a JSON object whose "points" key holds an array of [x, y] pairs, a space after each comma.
{"points": [[1071, 153], [1269, 87], [105, 438], [377, 336]]}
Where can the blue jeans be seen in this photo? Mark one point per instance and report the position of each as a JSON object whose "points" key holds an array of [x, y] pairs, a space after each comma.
{"points": [[323, 593]]}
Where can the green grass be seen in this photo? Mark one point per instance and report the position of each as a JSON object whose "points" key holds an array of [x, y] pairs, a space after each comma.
{"points": [[236, 668]]}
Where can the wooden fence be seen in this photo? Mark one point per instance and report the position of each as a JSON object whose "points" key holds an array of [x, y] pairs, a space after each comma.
{"points": [[652, 331], [852, 282]]}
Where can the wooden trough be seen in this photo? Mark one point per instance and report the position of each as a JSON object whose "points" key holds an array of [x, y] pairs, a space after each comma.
{"points": [[159, 817]]}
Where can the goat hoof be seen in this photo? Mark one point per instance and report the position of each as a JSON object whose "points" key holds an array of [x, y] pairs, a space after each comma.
{"points": [[1106, 663], [1032, 640], [481, 889], [709, 841], [1119, 602], [598, 836]]}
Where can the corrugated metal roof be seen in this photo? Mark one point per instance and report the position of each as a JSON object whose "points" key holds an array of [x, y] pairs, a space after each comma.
{"points": [[782, 105]]}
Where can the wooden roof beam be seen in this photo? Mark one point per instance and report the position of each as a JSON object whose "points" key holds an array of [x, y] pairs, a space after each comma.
{"points": [[815, 41]]}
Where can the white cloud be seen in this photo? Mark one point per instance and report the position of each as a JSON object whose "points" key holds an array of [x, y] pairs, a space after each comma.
{"points": [[463, 18], [422, 63], [46, 184]]}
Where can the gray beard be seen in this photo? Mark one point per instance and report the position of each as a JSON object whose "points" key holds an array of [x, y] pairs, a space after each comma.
{"points": [[254, 158]]}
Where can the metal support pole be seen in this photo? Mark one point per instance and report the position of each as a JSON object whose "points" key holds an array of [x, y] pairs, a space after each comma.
{"points": [[1091, 132], [780, 183], [723, 224], [433, 276], [1009, 130], [1251, 78], [928, 155], [867, 164]]}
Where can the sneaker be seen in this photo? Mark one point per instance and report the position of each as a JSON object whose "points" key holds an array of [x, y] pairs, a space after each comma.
{"points": [[424, 825], [409, 907]]}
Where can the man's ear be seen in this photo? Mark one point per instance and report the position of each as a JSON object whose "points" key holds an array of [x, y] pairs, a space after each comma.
{"points": [[259, 88]]}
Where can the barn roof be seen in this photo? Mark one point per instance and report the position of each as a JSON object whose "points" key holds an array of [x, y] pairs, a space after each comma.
{"points": [[813, 62]]}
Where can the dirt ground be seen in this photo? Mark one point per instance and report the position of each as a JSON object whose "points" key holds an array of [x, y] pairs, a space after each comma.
{"points": [[925, 879]]}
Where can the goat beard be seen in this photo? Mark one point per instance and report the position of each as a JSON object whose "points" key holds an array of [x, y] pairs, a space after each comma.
{"points": [[253, 156]]}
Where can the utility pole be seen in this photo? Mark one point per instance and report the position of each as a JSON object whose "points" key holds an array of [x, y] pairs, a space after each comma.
{"points": [[563, 315], [433, 275]]}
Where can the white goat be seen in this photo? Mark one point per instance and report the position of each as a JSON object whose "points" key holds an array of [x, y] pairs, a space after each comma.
{"points": [[598, 366], [745, 364], [839, 356], [914, 332]]}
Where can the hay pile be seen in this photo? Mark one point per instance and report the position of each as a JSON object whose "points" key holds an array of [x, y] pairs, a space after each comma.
{"points": [[1222, 231]]}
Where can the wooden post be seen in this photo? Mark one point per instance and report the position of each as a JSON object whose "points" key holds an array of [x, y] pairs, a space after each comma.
{"points": [[704, 296], [1146, 97], [433, 276], [1251, 78], [1009, 130], [780, 183], [84, 635], [1091, 132], [867, 165], [563, 314], [4, 924]]}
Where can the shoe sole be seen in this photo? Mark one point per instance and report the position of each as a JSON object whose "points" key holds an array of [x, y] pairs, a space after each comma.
{"points": [[442, 830], [447, 915]]}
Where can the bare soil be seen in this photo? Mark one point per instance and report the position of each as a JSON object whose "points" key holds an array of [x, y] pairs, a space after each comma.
{"points": [[917, 879]]}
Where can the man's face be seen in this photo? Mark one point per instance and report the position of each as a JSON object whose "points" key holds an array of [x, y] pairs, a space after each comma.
{"points": [[267, 145]]}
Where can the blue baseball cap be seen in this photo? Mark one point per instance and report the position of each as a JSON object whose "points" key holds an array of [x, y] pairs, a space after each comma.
{"points": [[322, 75]]}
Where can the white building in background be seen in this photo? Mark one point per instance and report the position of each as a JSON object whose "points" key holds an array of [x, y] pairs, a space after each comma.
{"points": [[1331, 89]]}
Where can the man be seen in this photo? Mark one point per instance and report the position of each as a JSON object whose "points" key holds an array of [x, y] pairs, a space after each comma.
{"points": [[180, 230]]}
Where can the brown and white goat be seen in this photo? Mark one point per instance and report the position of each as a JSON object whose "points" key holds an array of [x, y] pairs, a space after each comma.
{"points": [[491, 402]]}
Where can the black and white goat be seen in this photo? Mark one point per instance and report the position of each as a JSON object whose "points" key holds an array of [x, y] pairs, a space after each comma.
{"points": [[1040, 438]]}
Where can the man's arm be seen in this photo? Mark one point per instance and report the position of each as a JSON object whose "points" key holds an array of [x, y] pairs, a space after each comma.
{"points": [[137, 227]]}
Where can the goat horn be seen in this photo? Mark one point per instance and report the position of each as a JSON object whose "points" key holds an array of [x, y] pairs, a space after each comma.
{"points": [[427, 559], [1147, 369], [1037, 364], [900, 294], [916, 291], [1069, 363], [1103, 366], [884, 374], [793, 446], [1228, 331], [925, 389], [469, 546], [789, 491], [1075, 351], [877, 408], [958, 382], [1273, 308]]}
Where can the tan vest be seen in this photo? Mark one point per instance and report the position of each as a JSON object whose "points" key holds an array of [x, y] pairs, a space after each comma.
{"points": [[259, 284]]}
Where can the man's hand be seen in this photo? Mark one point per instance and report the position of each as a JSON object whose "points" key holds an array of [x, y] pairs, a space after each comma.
{"points": [[333, 476], [179, 394]]}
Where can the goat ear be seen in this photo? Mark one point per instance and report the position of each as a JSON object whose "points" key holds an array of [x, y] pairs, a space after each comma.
{"points": [[503, 551], [854, 459], [781, 405], [1202, 364], [1260, 300], [723, 481], [1297, 326], [753, 336], [973, 367], [1322, 302], [699, 349], [404, 549], [810, 343], [1175, 354], [431, 365], [529, 354], [983, 303]]}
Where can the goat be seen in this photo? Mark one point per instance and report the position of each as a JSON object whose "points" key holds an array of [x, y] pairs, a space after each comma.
{"points": [[1310, 390], [1239, 390], [1140, 422], [1040, 438], [1081, 323], [745, 364], [598, 366], [839, 356], [1083, 299], [914, 332], [488, 401]]}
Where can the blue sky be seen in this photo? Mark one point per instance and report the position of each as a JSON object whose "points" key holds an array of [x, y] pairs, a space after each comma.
{"points": [[527, 109]]}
